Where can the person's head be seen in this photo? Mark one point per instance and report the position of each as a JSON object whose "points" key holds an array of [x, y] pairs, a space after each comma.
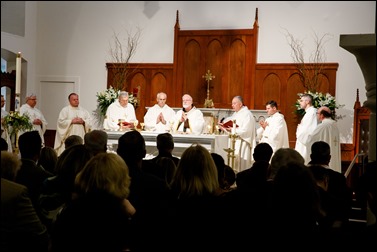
{"points": [[71, 162], [262, 151], [31, 99], [73, 140], [237, 103], [227, 177], [218, 159], [196, 173], [282, 157], [2, 101], [30, 145], [306, 101], [4, 145], [165, 143], [10, 164], [271, 107], [320, 153], [123, 98], [131, 147], [187, 101], [161, 99], [96, 141], [48, 159], [73, 99], [296, 196], [104, 173], [323, 112]]}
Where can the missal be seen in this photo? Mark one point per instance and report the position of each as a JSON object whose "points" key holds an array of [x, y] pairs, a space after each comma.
{"points": [[124, 123], [227, 124]]}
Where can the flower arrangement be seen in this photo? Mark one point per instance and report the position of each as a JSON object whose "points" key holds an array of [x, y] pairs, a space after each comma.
{"points": [[319, 100], [105, 98], [15, 122]]}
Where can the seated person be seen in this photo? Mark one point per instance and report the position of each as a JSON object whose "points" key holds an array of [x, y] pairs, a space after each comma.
{"points": [[120, 110], [159, 116], [189, 119]]}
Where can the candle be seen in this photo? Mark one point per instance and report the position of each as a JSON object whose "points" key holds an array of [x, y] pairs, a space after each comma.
{"points": [[18, 73], [234, 127]]}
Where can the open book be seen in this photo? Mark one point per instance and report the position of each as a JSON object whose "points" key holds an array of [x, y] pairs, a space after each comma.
{"points": [[227, 125], [125, 123]]}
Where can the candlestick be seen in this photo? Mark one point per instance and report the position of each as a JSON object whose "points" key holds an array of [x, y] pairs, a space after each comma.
{"points": [[18, 73]]}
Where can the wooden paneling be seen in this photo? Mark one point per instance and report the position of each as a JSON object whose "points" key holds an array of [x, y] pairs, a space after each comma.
{"points": [[152, 78], [231, 56]]}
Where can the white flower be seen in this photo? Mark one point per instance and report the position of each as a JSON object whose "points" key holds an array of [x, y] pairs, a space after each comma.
{"points": [[319, 100]]}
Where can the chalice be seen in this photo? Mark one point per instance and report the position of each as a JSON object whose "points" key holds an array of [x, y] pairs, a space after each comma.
{"points": [[136, 122]]}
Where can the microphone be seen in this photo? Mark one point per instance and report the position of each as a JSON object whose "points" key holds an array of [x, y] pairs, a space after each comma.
{"points": [[222, 119]]}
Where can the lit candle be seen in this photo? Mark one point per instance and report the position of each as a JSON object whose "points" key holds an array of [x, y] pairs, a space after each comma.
{"points": [[18, 73]]}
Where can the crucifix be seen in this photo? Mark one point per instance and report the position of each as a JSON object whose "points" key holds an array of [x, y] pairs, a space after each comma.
{"points": [[208, 103]]}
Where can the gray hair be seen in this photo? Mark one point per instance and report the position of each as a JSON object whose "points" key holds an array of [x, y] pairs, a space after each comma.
{"points": [[30, 95], [123, 94]]}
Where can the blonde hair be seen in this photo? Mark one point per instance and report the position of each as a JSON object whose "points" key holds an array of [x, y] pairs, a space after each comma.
{"points": [[105, 172], [10, 164], [196, 174]]}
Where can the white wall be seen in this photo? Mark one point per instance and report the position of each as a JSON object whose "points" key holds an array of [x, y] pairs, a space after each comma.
{"points": [[71, 39]]}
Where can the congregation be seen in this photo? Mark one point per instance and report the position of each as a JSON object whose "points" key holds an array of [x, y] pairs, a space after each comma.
{"points": [[81, 196]]}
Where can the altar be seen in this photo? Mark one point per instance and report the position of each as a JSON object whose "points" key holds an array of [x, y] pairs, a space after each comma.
{"points": [[213, 143]]}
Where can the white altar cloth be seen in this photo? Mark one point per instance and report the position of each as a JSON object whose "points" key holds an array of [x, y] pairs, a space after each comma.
{"points": [[213, 143]]}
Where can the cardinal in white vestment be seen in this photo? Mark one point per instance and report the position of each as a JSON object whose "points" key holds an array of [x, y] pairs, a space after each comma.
{"points": [[189, 119], [36, 117], [307, 126], [159, 117], [72, 120], [274, 129], [120, 110], [327, 131]]}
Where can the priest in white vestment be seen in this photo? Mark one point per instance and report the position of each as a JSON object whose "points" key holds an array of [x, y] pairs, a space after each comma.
{"points": [[327, 131], [306, 126], [37, 119], [72, 120], [189, 119], [159, 117], [274, 129], [246, 130], [120, 110]]}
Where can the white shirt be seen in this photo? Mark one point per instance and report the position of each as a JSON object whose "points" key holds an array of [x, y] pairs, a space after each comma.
{"points": [[115, 112], [328, 132], [65, 128], [196, 121], [33, 114], [246, 130], [304, 129], [150, 118], [275, 133]]}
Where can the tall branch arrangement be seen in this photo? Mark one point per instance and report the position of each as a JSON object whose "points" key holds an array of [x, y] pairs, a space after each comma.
{"points": [[121, 50], [310, 71]]}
